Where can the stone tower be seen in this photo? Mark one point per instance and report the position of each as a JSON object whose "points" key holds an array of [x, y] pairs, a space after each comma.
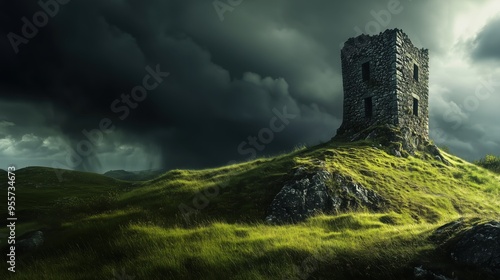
{"points": [[386, 81]]}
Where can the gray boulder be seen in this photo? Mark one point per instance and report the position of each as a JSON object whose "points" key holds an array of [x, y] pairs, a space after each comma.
{"points": [[30, 242], [424, 274], [434, 151], [348, 194], [479, 247], [474, 248], [312, 192]]}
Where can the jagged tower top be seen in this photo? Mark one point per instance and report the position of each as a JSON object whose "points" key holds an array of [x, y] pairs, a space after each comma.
{"points": [[386, 81]]}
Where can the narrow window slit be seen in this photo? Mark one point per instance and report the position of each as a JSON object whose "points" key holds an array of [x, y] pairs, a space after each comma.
{"points": [[368, 107], [365, 69]]}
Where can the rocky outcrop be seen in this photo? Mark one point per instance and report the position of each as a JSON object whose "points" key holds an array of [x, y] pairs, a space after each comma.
{"points": [[30, 242], [479, 247], [397, 141], [472, 249], [424, 274], [319, 191], [436, 153]]}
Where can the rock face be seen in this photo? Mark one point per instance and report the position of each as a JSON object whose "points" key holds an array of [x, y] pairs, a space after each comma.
{"points": [[434, 151], [473, 248], [422, 273], [31, 242], [479, 247], [398, 141], [309, 193]]}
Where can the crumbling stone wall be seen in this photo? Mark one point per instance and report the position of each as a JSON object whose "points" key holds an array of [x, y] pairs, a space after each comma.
{"points": [[408, 88], [379, 73]]}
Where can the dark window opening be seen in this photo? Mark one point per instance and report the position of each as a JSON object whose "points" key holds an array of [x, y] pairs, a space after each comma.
{"points": [[415, 72], [415, 107], [368, 107], [365, 67]]}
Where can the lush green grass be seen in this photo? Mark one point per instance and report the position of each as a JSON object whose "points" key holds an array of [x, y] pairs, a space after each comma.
{"points": [[96, 225]]}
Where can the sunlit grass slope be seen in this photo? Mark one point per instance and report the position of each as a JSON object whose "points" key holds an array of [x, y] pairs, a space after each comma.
{"points": [[98, 227]]}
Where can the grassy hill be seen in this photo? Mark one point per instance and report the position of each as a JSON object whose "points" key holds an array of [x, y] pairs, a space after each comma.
{"points": [[43, 200], [101, 228]]}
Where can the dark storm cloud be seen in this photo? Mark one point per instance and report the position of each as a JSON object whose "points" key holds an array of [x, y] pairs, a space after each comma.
{"points": [[93, 52], [464, 113], [227, 78], [486, 45]]}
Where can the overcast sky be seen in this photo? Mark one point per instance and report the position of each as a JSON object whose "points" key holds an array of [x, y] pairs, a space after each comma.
{"points": [[220, 72]]}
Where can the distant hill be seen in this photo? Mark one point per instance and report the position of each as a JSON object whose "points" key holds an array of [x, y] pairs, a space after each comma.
{"points": [[210, 224], [134, 175], [39, 188]]}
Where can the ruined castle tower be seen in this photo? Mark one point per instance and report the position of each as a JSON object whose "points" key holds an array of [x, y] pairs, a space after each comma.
{"points": [[386, 81]]}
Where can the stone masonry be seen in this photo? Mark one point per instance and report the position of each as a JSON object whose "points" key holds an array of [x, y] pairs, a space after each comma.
{"points": [[386, 81]]}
